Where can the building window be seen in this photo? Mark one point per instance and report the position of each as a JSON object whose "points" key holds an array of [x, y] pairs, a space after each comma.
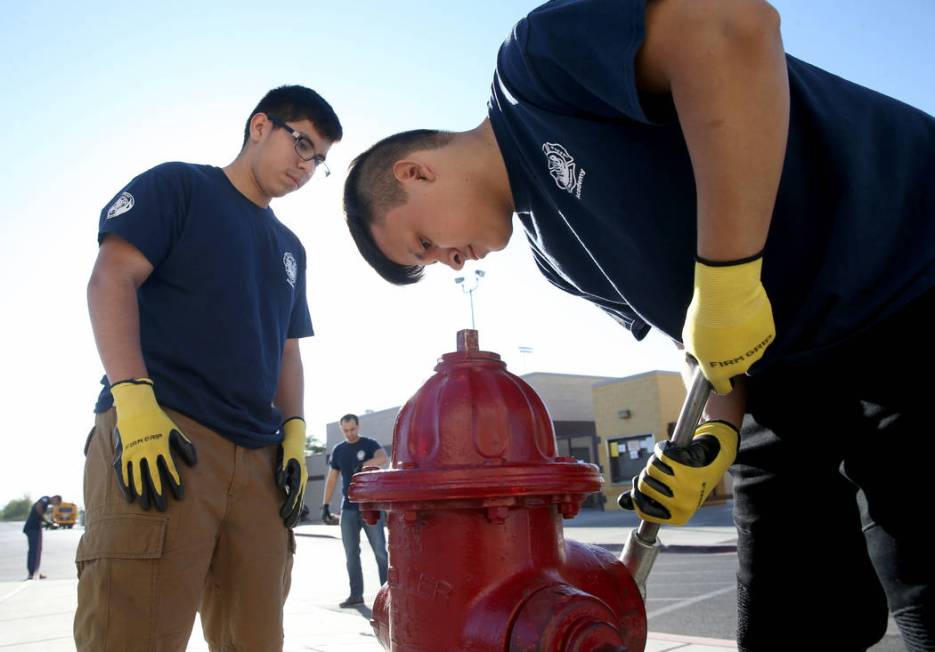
{"points": [[628, 456]]}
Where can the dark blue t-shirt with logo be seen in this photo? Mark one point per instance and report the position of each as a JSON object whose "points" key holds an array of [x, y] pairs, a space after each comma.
{"points": [[349, 459], [603, 184], [226, 291]]}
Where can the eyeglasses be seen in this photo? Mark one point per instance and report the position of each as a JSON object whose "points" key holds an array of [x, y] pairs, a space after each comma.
{"points": [[304, 147]]}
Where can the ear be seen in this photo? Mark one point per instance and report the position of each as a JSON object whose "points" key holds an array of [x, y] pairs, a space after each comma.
{"points": [[412, 170], [259, 126]]}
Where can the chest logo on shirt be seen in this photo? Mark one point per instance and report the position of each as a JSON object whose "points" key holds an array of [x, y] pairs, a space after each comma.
{"points": [[563, 169], [121, 205], [360, 456], [288, 261]]}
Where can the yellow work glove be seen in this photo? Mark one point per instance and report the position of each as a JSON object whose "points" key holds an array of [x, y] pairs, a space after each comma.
{"points": [[146, 442], [291, 473], [678, 479], [729, 322]]}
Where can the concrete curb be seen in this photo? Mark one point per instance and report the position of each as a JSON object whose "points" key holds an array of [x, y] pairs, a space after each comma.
{"points": [[315, 536], [679, 548], [684, 548]]}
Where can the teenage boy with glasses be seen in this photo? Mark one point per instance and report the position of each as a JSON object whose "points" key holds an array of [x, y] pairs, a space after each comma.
{"points": [[197, 302]]}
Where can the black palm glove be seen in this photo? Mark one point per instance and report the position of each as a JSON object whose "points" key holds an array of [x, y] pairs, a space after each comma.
{"points": [[327, 517], [147, 444], [291, 472], [678, 479]]}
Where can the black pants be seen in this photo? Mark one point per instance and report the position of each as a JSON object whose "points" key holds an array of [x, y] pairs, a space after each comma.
{"points": [[833, 495], [34, 556]]}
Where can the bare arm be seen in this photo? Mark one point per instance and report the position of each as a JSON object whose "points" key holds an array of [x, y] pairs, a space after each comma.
{"points": [[728, 407], [120, 269], [723, 63], [290, 391], [379, 459], [329, 486]]}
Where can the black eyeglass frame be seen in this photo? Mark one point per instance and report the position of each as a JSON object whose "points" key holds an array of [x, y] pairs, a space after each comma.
{"points": [[318, 159]]}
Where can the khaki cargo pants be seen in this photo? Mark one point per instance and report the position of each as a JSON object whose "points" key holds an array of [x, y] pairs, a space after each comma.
{"points": [[222, 551]]}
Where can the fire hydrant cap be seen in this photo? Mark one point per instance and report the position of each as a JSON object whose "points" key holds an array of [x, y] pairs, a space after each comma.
{"points": [[562, 617]]}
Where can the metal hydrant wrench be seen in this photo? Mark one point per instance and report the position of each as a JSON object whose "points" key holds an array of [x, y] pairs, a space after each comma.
{"points": [[639, 553]]}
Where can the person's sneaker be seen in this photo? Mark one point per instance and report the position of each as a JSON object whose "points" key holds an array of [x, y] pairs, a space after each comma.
{"points": [[350, 602]]}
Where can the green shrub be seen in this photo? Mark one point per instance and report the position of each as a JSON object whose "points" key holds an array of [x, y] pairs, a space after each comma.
{"points": [[17, 510]]}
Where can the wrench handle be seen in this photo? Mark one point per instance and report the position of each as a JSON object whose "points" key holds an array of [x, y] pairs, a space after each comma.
{"points": [[689, 416], [639, 554]]}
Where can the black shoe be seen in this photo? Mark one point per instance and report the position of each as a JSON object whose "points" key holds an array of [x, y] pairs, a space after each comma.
{"points": [[350, 602]]}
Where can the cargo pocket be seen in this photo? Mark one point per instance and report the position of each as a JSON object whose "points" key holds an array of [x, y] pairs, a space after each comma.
{"points": [[118, 571], [87, 442], [287, 567]]}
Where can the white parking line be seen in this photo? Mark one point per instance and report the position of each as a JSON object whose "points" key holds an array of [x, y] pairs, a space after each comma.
{"points": [[706, 571], [16, 590], [686, 603], [692, 640]]}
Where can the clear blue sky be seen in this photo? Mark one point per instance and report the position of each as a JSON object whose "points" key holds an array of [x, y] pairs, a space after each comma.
{"points": [[94, 93]]}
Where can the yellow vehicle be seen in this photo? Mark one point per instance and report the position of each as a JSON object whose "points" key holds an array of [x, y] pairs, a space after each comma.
{"points": [[65, 515]]}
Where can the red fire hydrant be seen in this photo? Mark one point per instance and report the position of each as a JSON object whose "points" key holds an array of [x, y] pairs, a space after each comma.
{"points": [[474, 500]]}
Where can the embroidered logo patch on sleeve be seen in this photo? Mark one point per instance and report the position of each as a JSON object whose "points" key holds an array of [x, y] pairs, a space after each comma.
{"points": [[288, 261], [121, 205]]}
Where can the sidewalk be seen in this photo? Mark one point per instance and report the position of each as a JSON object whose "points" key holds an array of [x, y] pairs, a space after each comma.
{"points": [[37, 616]]}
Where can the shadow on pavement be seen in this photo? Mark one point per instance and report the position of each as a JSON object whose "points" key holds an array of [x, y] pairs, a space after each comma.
{"points": [[362, 609]]}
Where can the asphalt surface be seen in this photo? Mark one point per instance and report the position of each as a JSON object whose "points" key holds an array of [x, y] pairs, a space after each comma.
{"points": [[689, 594]]}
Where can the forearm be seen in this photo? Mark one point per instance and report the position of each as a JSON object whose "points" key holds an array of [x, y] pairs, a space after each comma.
{"points": [[725, 68], [290, 391], [115, 320], [329, 487], [728, 407], [379, 459]]}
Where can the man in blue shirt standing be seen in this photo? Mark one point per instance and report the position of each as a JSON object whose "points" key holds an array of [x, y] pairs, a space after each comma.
{"points": [[671, 164], [32, 528], [197, 302], [347, 458]]}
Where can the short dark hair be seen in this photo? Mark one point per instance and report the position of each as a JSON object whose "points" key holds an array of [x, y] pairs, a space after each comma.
{"points": [[371, 191], [298, 103], [350, 417]]}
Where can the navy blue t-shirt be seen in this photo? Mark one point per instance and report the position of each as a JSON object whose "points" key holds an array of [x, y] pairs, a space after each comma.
{"points": [[226, 291], [34, 520], [603, 184], [349, 459]]}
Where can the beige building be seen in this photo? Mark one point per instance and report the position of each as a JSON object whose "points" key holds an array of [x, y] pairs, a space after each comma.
{"points": [[611, 422], [630, 415]]}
